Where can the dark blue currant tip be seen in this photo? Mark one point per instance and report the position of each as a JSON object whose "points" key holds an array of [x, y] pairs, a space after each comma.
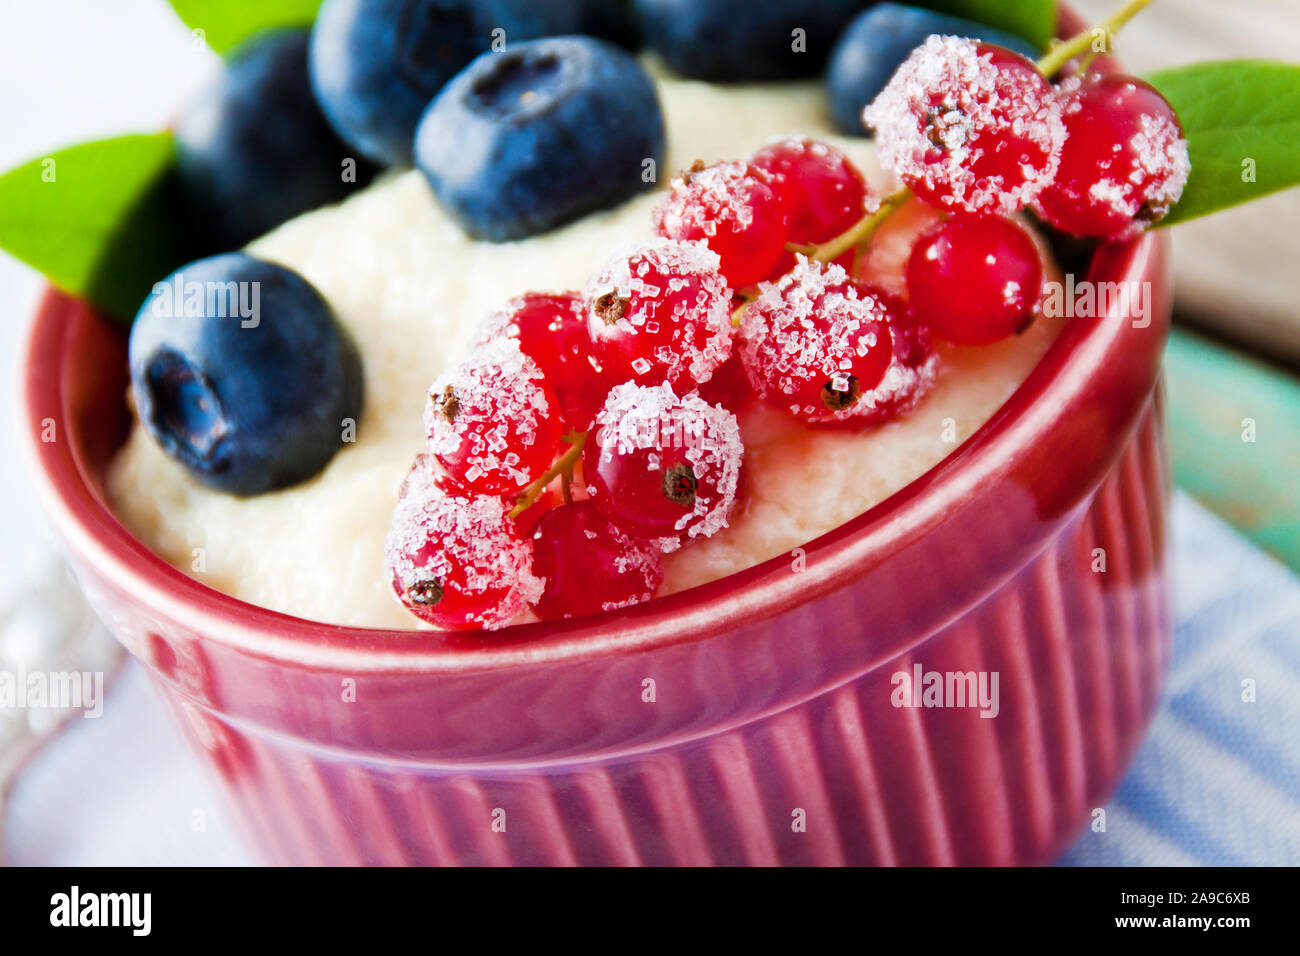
{"points": [[878, 41], [541, 134], [242, 373]]}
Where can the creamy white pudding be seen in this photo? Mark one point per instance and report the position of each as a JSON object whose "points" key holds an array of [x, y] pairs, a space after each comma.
{"points": [[411, 289]]}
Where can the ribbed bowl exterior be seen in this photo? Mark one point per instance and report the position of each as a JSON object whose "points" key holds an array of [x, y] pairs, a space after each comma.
{"points": [[845, 777]]}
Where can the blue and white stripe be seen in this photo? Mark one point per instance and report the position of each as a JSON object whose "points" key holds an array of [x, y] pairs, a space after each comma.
{"points": [[1217, 782]]}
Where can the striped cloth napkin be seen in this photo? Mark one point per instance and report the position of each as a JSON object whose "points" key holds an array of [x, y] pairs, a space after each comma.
{"points": [[1217, 782]]}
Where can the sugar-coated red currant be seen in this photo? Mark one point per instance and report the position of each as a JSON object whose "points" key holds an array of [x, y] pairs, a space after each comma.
{"points": [[975, 280], [546, 501], [660, 311], [661, 466], [492, 421], [729, 387], [823, 193], [1124, 163], [590, 564], [458, 562], [733, 209], [814, 342], [551, 329], [913, 364], [969, 126]]}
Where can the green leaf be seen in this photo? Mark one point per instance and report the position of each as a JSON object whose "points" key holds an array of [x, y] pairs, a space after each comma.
{"points": [[98, 219], [227, 23], [1035, 20], [1242, 122]]}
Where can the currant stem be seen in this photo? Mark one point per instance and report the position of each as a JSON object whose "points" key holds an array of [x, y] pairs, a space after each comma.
{"points": [[1063, 53], [857, 235], [563, 466], [861, 231]]}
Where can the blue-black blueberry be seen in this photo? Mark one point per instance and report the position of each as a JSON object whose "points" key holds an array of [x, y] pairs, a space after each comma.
{"points": [[525, 140], [242, 373], [253, 149], [376, 64], [739, 40]]}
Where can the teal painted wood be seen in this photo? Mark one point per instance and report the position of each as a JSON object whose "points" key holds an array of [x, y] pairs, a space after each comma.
{"points": [[1235, 439]]}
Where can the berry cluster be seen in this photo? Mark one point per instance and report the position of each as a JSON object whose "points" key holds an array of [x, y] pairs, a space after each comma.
{"points": [[753, 287], [623, 396], [792, 192], [977, 131], [480, 532], [814, 339]]}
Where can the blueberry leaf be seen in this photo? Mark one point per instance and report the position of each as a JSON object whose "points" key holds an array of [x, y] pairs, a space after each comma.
{"points": [[97, 219], [227, 23], [1242, 123], [1035, 20]]}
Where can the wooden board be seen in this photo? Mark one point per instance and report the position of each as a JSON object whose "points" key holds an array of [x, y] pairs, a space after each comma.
{"points": [[1234, 427]]}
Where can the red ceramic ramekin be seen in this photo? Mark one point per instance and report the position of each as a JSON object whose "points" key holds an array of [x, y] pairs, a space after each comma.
{"points": [[751, 720]]}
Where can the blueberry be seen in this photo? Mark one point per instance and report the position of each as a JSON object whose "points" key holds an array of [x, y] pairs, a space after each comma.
{"points": [[604, 19], [376, 64], [252, 147], [242, 373], [725, 40], [874, 45], [607, 19], [543, 133]]}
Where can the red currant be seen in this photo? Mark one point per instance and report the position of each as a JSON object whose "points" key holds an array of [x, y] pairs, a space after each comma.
{"points": [[661, 466], [546, 501], [733, 210], [1124, 163], [552, 330], [815, 343], [969, 126], [660, 311], [913, 364], [823, 193], [493, 422], [458, 563], [728, 387], [975, 281], [590, 564]]}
